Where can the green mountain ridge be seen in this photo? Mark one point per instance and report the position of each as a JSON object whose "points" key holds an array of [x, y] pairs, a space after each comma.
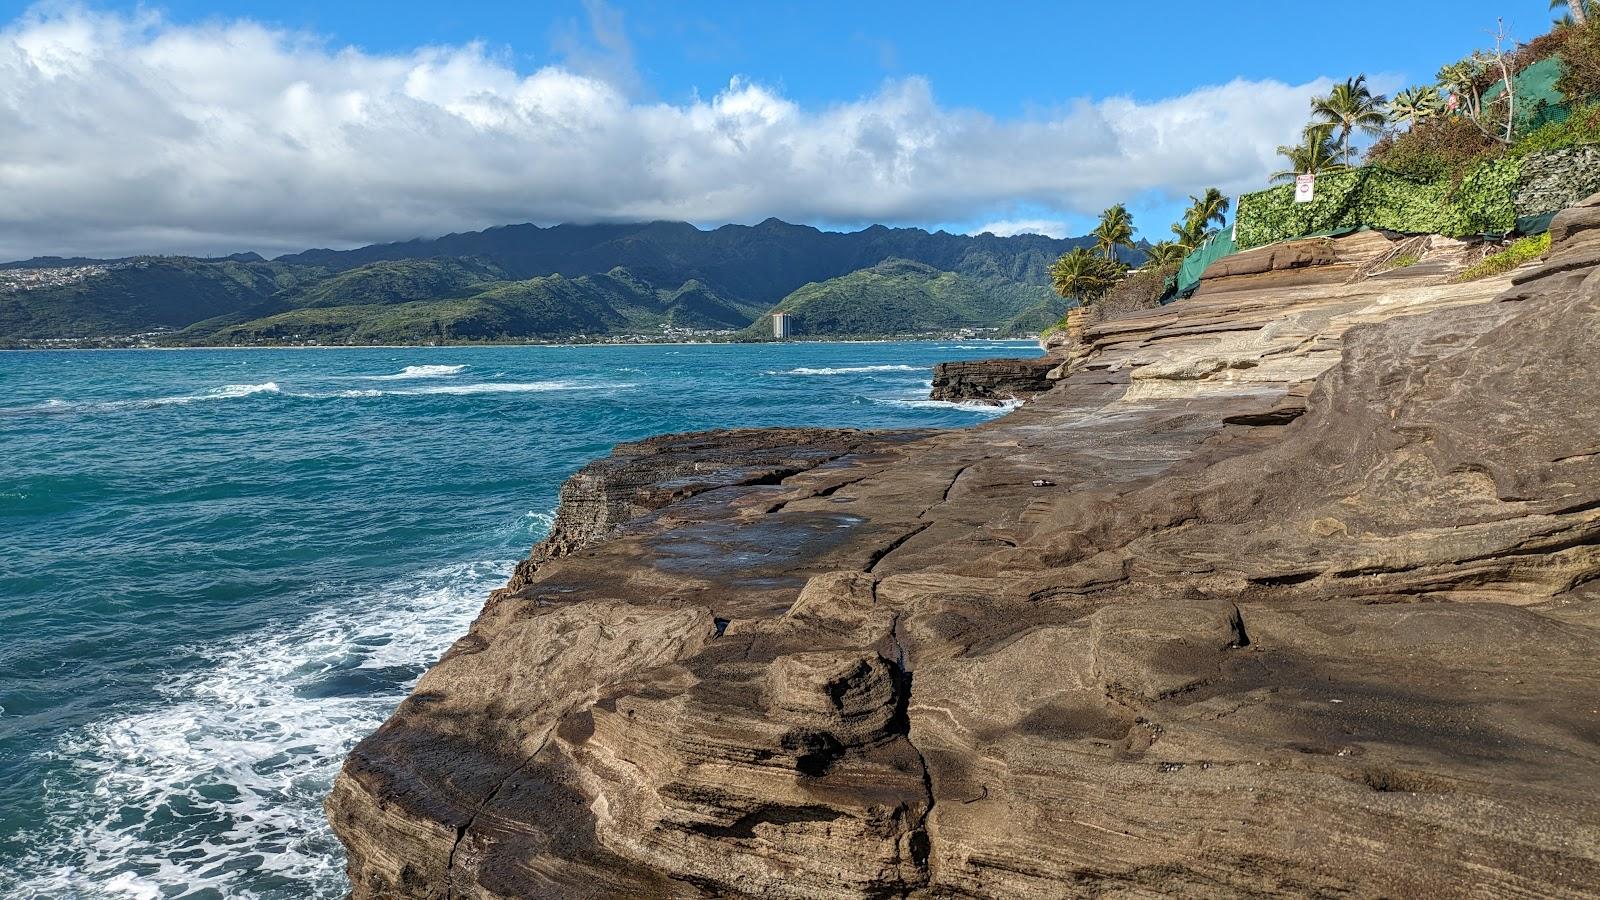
{"points": [[531, 283], [902, 297], [475, 309]]}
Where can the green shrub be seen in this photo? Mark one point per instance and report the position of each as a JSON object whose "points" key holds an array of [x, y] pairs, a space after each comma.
{"points": [[1140, 290], [1446, 147], [1525, 250], [1400, 262], [1580, 77], [1581, 127]]}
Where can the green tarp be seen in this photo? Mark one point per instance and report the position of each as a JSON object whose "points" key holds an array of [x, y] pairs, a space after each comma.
{"points": [[1535, 224], [1194, 265], [1538, 100]]}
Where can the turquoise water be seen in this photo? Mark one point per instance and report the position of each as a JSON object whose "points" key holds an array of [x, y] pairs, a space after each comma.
{"points": [[219, 569]]}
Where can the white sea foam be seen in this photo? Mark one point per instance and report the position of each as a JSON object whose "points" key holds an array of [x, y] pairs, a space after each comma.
{"points": [[231, 391], [418, 372], [851, 370], [974, 406], [492, 387], [226, 392], [533, 523], [219, 787], [488, 387]]}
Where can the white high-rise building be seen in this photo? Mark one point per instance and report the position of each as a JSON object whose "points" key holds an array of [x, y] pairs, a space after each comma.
{"points": [[782, 326]]}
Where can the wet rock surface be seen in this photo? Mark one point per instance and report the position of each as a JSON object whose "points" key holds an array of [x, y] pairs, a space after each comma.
{"points": [[991, 380], [1307, 606]]}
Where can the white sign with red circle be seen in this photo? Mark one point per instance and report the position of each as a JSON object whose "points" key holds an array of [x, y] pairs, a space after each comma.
{"points": [[1305, 188]]}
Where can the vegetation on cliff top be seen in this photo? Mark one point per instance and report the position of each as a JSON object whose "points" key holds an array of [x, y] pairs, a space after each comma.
{"points": [[1521, 251]]}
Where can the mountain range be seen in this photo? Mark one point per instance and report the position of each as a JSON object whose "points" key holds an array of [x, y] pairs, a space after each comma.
{"points": [[526, 282]]}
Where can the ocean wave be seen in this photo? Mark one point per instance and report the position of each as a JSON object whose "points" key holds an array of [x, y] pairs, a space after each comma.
{"points": [[851, 370], [488, 387], [491, 387], [410, 372], [991, 345], [226, 392], [973, 406], [233, 391], [220, 786]]}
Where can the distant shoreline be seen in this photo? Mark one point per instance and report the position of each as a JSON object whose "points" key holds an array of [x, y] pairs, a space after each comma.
{"points": [[500, 346]]}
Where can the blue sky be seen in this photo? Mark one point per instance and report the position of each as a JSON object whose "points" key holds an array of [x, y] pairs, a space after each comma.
{"points": [[1004, 57], [959, 115]]}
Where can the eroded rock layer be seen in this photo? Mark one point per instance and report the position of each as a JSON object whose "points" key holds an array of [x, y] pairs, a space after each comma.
{"points": [[991, 380], [1306, 605]]}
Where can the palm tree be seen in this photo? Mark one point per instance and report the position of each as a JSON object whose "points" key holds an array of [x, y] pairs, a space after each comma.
{"points": [[1115, 230], [1166, 253], [1316, 153], [1212, 206], [1351, 107], [1204, 210], [1188, 233], [1417, 104], [1577, 10], [1079, 274]]}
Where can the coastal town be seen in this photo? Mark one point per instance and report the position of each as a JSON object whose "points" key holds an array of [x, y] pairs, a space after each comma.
{"points": [[17, 280]]}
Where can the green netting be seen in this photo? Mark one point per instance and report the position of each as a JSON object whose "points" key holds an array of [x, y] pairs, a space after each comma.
{"points": [[1195, 264], [1539, 102], [1378, 198], [1534, 83]]}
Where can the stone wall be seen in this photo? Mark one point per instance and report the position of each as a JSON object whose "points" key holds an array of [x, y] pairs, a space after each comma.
{"points": [[1557, 179]]}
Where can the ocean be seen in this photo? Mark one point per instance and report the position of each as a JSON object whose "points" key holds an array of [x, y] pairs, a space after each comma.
{"points": [[219, 569]]}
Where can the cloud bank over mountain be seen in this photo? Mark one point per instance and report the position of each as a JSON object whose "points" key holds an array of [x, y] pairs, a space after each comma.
{"points": [[135, 134]]}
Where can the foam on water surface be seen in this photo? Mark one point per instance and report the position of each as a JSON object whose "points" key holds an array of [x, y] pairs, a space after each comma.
{"points": [[849, 370], [419, 372], [223, 568], [221, 786], [971, 406]]}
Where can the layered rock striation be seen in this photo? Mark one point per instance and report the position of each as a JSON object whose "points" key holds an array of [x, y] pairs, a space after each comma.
{"points": [[1307, 605], [991, 381]]}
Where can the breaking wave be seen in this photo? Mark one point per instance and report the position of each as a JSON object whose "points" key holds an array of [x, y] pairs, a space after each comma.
{"points": [[488, 387], [410, 372], [851, 370], [226, 392], [220, 786], [973, 406]]}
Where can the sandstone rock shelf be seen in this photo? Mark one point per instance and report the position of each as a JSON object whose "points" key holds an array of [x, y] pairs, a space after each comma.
{"points": [[1308, 607]]}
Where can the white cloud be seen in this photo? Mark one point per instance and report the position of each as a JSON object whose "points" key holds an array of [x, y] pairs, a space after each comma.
{"points": [[134, 134], [1009, 227]]}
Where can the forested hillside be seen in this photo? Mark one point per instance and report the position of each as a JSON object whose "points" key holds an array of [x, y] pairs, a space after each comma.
{"points": [[524, 282]]}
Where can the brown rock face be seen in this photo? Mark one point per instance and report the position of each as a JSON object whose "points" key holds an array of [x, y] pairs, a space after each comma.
{"points": [[1310, 609], [992, 380]]}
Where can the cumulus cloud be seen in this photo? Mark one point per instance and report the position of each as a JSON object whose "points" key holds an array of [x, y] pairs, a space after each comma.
{"points": [[123, 134], [1009, 227]]}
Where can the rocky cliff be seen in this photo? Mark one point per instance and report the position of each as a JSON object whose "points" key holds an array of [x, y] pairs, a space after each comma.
{"points": [[991, 380], [1287, 588]]}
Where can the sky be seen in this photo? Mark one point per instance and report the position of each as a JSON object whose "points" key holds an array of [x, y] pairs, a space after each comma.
{"points": [[209, 127]]}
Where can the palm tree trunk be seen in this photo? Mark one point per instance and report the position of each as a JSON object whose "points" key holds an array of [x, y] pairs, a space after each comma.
{"points": [[1579, 13]]}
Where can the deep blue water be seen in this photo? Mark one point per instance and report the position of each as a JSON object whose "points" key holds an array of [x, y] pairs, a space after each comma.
{"points": [[219, 569]]}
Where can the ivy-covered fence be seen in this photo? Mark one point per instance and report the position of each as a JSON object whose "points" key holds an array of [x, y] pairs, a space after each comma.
{"points": [[1482, 202]]}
